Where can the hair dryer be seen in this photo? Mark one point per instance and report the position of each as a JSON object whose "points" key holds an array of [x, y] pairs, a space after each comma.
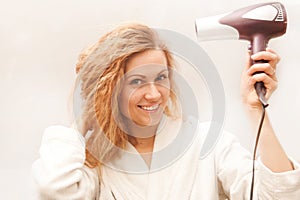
{"points": [[257, 23]]}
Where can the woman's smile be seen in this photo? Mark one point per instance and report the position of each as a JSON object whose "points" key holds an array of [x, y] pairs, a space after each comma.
{"points": [[149, 108]]}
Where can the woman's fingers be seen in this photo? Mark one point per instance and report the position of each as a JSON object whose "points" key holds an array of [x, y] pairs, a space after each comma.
{"points": [[269, 55], [262, 67]]}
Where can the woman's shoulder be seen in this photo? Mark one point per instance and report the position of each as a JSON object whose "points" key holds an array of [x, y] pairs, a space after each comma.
{"points": [[211, 135], [63, 133]]}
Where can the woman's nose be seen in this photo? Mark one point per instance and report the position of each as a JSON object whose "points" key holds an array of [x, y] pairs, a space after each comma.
{"points": [[152, 92]]}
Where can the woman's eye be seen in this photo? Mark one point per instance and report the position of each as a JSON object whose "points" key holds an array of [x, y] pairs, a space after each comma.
{"points": [[161, 77], [135, 82]]}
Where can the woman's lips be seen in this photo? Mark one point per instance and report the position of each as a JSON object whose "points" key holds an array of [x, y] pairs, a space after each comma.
{"points": [[149, 108]]}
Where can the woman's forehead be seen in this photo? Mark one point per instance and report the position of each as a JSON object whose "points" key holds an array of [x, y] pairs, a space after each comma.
{"points": [[149, 57]]}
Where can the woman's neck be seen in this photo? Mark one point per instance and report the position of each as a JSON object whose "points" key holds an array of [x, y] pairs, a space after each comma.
{"points": [[142, 138], [143, 145]]}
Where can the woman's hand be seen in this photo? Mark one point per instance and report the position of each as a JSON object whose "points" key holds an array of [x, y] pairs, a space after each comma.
{"points": [[268, 77]]}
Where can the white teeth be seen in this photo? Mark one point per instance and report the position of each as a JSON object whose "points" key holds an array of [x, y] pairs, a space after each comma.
{"points": [[150, 108]]}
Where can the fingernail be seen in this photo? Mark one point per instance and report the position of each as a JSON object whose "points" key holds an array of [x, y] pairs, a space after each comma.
{"points": [[248, 72]]}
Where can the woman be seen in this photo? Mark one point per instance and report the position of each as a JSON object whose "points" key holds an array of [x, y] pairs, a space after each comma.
{"points": [[131, 114]]}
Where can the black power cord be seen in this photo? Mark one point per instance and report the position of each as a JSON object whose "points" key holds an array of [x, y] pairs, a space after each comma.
{"points": [[255, 147]]}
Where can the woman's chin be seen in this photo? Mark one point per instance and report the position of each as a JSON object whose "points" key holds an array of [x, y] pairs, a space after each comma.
{"points": [[147, 123]]}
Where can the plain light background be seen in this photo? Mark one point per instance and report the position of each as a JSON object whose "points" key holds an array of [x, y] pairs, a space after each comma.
{"points": [[39, 45]]}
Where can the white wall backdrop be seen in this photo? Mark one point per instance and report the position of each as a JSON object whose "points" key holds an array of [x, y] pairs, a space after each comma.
{"points": [[39, 45]]}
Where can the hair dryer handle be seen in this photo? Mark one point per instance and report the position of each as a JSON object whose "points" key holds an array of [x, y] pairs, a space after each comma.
{"points": [[261, 92], [259, 43]]}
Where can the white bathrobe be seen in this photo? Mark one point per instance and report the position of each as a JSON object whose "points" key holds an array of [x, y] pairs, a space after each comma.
{"points": [[177, 171]]}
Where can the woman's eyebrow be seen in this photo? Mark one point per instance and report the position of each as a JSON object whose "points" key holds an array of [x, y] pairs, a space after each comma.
{"points": [[143, 75], [167, 70], [139, 75]]}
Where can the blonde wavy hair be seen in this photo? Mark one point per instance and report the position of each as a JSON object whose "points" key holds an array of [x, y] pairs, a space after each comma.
{"points": [[100, 68]]}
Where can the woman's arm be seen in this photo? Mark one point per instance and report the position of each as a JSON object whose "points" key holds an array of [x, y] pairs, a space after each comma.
{"points": [[271, 152], [275, 177], [60, 172]]}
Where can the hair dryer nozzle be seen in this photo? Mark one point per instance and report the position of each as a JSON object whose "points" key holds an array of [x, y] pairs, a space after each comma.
{"points": [[209, 28]]}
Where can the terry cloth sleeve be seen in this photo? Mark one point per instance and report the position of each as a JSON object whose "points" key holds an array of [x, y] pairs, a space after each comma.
{"points": [[285, 185], [60, 172], [234, 171]]}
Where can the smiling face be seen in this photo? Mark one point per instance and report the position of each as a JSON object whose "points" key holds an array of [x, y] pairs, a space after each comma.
{"points": [[146, 88]]}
